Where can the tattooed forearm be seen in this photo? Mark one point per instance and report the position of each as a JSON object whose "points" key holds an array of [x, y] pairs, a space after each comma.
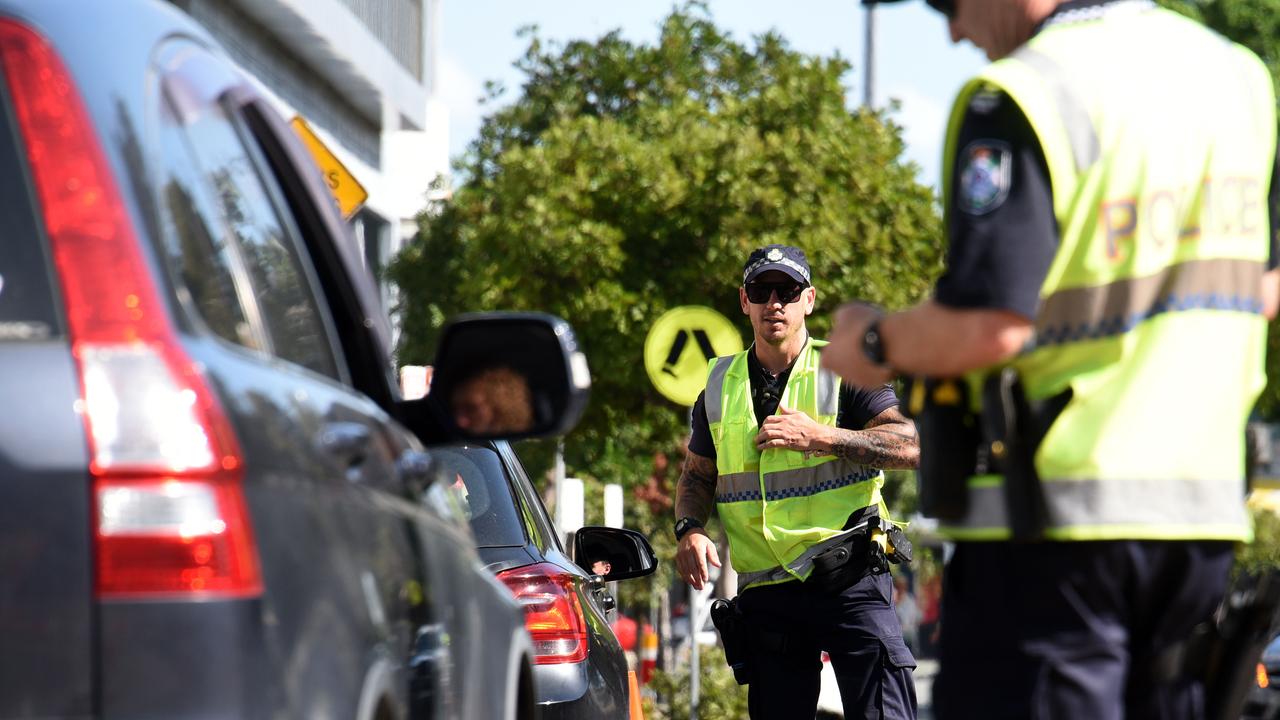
{"points": [[889, 441], [696, 490]]}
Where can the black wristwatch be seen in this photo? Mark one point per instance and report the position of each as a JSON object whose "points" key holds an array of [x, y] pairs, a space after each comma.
{"points": [[873, 344], [684, 525]]}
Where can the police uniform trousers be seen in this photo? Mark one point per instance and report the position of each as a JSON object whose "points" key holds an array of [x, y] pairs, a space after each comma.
{"points": [[1036, 631], [791, 623]]}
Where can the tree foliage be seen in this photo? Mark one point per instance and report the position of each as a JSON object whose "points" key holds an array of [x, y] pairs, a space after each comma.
{"points": [[627, 179]]}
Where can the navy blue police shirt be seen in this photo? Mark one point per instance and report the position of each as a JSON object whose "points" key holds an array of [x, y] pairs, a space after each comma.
{"points": [[1002, 228], [856, 408]]}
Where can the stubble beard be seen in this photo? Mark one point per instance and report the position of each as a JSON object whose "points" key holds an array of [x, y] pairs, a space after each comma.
{"points": [[776, 340]]}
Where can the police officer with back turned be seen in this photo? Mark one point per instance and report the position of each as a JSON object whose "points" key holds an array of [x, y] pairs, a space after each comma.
{"points": [[1083, 374], [791, 460]]}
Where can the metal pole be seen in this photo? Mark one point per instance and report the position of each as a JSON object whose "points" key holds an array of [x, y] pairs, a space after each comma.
{"points": [[556, 487], [695, 673], [869, 57]]}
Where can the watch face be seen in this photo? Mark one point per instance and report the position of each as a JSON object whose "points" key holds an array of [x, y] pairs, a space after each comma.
{"points": [[872, 345], [684, 525]]}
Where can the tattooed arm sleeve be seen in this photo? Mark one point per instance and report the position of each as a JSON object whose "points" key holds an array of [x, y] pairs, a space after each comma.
{"points": [[696, 490], [888, 441]]}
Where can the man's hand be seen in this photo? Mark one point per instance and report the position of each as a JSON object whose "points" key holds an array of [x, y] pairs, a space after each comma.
{"points": [[843, 354], [793, 430], [696, 550]]}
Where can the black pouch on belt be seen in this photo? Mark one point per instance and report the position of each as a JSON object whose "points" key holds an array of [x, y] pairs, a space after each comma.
{"points": [[842, 565]]}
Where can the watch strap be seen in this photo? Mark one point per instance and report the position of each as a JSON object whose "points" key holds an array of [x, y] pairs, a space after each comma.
{"points": [[684, 525]]}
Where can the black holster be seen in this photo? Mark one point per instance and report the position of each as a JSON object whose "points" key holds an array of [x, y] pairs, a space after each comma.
{"points": [[734, 636], [1012, 430], [949, 439], [956, 443]]}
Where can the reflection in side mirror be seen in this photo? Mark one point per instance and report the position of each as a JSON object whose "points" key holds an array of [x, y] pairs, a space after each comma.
{"points": [[615, 553], [509, 375]]}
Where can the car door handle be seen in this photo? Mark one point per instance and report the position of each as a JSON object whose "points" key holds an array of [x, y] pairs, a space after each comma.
{"points": [[347, 442]]}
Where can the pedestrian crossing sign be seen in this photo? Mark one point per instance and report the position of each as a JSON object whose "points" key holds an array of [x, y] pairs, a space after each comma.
{"points": [[679, 345]]}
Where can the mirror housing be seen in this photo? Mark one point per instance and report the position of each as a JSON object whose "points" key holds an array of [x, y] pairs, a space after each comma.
{"points": [[503, 376], [627, 552]]}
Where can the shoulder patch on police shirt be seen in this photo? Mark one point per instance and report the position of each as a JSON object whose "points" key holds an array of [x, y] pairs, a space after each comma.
{"points": [[985, 100], [985, 169]]}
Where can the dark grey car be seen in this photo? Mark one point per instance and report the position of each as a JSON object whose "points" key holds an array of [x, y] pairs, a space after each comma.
{"points": [[580, 670], [214, 502]]}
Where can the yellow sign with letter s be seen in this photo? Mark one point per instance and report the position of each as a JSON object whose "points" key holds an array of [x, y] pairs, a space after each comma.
{"points": [[348, 191]]}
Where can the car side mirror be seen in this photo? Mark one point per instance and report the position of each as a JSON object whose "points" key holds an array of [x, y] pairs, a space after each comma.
{"points": [[508, 376], [615, 553]]}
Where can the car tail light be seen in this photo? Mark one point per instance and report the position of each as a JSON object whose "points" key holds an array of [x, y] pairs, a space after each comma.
{"points": [[1263, 680], [552, 613], [169, 506]]}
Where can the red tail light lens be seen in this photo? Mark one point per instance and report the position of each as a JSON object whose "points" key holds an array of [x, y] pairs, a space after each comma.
{"points": [[166, 466], [552, 613]]}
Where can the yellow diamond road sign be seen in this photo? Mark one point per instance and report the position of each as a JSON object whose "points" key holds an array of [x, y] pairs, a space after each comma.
{"points": [[679, 345], [348, 191]]}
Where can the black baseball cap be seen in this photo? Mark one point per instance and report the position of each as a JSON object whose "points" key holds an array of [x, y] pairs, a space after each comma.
{"points": [[783, 258]]}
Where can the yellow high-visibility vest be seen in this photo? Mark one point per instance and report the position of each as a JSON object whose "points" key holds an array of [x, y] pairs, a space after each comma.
{"points": [[1159, 137], [781, 508]]}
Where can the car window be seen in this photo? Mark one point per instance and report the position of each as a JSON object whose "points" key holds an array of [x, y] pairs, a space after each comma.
{"points": [[290, 313], [201, 260], [543, 532], [476, 473]]}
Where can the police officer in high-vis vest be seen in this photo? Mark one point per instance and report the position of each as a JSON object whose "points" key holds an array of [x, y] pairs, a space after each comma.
{"points": [[1091, 353], [791, 459]]}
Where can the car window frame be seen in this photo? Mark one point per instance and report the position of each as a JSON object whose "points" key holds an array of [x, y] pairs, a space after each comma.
{"points": [[362, 339], [528, 496]]}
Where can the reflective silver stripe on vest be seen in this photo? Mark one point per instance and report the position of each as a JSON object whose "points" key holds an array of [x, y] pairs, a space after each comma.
{"points": [[801, 565], [801, 482], [1100, 503], [828, 393], [713, 397], [1081, 133], [1115, 308], [733, 487]]}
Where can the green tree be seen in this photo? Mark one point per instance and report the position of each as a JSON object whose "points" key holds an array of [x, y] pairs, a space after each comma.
{"points": [[627, 179]]}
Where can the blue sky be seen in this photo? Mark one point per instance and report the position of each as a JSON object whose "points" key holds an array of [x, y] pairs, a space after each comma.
{"points": [[915, 60]]}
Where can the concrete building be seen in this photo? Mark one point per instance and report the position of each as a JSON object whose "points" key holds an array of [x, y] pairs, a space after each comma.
{"points": [[363, 73]]}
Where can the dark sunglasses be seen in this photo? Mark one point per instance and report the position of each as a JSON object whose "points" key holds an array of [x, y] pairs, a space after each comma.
{"points": [[760, 292], [946, 7]]}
